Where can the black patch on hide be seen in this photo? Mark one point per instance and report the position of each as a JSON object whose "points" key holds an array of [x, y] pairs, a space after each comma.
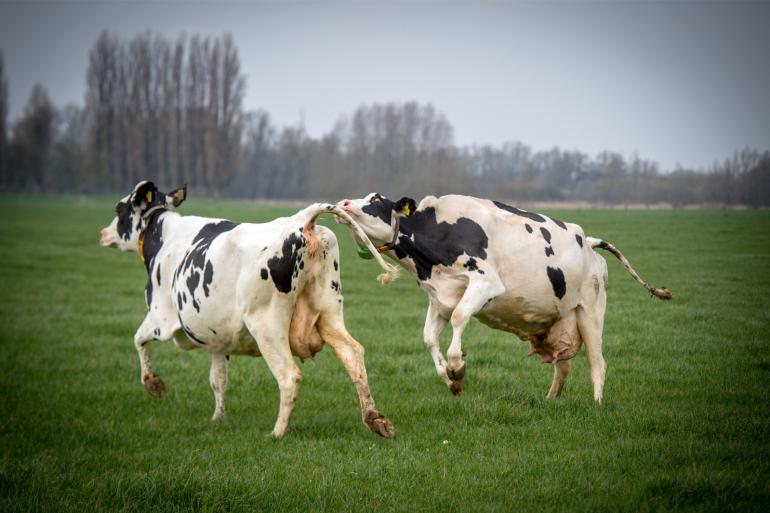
{"points": [[438, 243], [523, 213], [284, 267], [557, 281]]}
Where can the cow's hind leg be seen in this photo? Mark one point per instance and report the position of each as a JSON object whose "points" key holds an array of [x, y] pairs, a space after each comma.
{"points": [[271, 331], [218, 380], [146, 332], [351, 354], [560, 371], [590, 318]]}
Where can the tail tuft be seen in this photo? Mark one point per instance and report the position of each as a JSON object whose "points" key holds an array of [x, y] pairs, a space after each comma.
{"points": [[662, 293], [388, 276]]}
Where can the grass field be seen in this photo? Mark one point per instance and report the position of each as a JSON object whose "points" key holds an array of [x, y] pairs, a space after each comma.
{"points": [[685, 424]]}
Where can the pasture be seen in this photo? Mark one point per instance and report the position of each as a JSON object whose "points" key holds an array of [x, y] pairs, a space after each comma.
{"points": [[685, 424]]}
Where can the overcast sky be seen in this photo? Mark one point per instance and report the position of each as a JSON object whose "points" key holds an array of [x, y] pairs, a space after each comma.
{"points": [[684, 82]]}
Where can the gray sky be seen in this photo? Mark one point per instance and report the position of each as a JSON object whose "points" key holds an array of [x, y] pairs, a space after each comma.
{"points": [[684, 82]]}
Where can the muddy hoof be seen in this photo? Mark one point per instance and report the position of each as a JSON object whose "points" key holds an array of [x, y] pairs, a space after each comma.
{"points": [[154, 385], [380, 425], [457, 374], [457, 386]]}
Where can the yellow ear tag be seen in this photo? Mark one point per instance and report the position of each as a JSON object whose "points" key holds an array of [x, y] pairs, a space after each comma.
{"points": [[405, 210], [149, 196]]}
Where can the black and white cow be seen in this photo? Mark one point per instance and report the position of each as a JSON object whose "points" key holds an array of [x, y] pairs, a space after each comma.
{"points": [[267, 289], [516, 271]]}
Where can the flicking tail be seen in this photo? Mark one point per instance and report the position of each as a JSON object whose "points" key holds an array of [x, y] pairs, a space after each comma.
{"points": [[662, 293], [391, 272]]}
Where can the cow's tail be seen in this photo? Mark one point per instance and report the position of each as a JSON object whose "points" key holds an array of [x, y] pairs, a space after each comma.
{"points": [[662, 293], [391, 271]]}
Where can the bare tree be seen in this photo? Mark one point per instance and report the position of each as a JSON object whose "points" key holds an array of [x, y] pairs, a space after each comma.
{"points": [[3, 126], [230, 130], [176, 106], [32, 141], [102, 106]]}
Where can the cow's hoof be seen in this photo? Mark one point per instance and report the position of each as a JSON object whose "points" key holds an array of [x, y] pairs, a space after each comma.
{"points": [[154, 385], [457, 374], [380, 424], [457, 386]]}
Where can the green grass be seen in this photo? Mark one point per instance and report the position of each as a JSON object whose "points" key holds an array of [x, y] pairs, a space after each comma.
{"points": [[685, 424]]}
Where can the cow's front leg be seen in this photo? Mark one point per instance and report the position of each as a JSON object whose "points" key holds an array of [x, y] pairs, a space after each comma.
{"points": [[478, 293], [351, 354], [218, 380], [434, 325], [154, 385]]}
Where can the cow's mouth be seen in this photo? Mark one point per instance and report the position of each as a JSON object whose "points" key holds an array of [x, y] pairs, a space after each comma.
{"points": [[107, 240]]}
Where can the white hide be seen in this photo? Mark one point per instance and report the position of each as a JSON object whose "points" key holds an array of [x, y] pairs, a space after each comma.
{"points": [[511, 289], [240, 311]]}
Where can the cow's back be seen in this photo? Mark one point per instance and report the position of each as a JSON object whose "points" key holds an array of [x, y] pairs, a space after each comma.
{"points": [[542, 259]]}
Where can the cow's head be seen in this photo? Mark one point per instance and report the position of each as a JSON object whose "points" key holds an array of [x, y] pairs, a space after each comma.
{"points": [[377, 214], [123, 231]]}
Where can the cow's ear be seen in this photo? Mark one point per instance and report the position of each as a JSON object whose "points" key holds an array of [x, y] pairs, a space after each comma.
{"points": [[177, 196], [405, 206], [146, 193]]}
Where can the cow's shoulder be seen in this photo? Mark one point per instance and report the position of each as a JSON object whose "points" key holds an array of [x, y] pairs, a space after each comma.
{"points": [[438, 235]]}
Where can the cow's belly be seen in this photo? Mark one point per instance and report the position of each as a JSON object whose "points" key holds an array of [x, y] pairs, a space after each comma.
{"points": [[527, 318], [218, 332], [213, 320], [529, 306]]}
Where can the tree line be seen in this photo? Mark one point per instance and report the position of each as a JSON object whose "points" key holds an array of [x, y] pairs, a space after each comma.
{"points": [[171, 111]]}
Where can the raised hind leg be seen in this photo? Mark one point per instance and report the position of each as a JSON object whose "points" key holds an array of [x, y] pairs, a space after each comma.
{"points": [[351, 354]]}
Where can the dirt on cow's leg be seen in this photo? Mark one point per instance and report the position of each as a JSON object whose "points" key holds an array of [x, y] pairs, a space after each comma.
{"points": [[380, 424], [154, 385], [351, 354], [458, 379]]}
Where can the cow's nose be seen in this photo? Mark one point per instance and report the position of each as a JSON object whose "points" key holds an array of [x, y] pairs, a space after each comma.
{"points": [[344, 204]]}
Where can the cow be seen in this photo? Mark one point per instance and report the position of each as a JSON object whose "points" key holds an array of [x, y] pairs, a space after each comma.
{"points": [[270, 290], [517, 271]]}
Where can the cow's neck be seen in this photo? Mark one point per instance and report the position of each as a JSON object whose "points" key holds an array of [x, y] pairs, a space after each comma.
{"points": [[153, 236], [426, 245], [412, 257]]}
